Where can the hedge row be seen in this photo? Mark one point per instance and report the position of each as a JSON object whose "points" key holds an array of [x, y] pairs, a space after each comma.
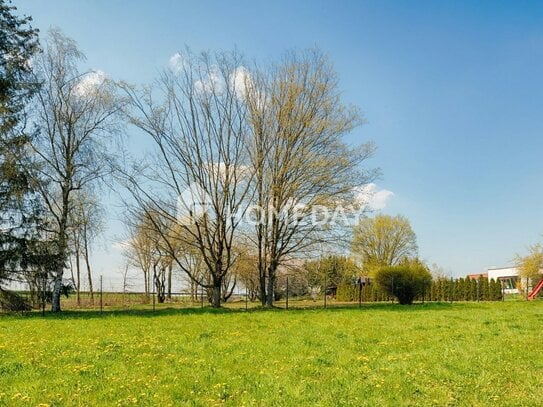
{"points": [[442, 289]]}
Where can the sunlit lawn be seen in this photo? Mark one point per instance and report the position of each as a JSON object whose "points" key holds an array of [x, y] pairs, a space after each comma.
{"points": [[433, 354]]}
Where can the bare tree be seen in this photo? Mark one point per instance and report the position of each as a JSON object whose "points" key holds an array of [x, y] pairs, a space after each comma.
{"points": [[126, 279], [246, 271], [86, 223], [76, 117], [199, 178], [301, 162], [139, 249]]}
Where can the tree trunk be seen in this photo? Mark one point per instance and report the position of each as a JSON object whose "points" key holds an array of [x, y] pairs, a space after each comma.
{"points": [[59, 272], [216, 295], [170, 267], [228, 289], [78, 281], [146, 283], [87, 261], [57, 291], [263, 289], [271, 285]]}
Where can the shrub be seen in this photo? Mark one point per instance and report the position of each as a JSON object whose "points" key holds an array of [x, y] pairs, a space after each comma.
{"points": [[13, 302], [404, 282]]}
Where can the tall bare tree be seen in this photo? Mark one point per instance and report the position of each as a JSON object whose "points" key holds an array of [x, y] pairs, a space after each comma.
{"points": [[301, 162], [199, 179], [86, 223], [76, 116], [139, 249]]}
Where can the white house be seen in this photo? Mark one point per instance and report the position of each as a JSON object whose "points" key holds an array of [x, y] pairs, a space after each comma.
{"points": [[508, 276]]}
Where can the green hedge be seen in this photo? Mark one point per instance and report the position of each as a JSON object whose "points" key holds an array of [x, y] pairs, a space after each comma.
{"points": [[442, 289]]}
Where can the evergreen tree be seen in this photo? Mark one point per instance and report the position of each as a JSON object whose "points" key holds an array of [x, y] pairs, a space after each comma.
{"points": [[472, 290], [19, 206], [485, 289], [461, 289], [433, 290]]}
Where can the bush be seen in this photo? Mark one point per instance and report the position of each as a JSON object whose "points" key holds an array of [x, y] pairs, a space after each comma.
{"points": [[13, 302], [404, 282]]}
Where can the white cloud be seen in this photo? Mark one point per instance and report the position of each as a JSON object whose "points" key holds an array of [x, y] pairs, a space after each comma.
{"points": [[193, 202], [176, 62], [372, 197], [90, 82], [240, 80], [212, 83]]}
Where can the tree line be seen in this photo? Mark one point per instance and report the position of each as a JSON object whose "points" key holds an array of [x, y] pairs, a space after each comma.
{"points": [[259, 141], [248, 181]]}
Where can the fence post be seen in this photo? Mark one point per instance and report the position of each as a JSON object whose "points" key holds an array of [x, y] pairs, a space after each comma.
{"points": [[246, 298], [154, 279], [43, 288], [287, 294], [325, 283], [360, 293], [101, 295]]}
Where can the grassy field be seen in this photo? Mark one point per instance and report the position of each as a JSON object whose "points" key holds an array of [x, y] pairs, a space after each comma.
{"points": [[463, 354]]}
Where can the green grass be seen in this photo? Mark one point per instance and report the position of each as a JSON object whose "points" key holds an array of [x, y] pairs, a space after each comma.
{"points": [[435, 354]]}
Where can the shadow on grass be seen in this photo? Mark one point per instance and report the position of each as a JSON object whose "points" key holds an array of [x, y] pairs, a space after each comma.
{"points": [[376, 306], [107, 313], [172, 311]]}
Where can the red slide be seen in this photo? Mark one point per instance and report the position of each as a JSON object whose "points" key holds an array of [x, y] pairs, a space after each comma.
{"points": [[536, 289]]}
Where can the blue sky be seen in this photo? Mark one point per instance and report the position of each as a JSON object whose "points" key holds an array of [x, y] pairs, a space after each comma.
{"points": [[452, 91]]}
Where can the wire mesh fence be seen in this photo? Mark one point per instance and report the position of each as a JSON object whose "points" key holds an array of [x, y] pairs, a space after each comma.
{"points": [[347, 295]]}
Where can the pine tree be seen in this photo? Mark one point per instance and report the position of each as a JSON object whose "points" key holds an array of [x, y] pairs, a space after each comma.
{"points": [[20, 221]]}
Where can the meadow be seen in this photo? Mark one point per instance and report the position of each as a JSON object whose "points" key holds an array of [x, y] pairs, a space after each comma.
{"points": [[461, 354]]}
